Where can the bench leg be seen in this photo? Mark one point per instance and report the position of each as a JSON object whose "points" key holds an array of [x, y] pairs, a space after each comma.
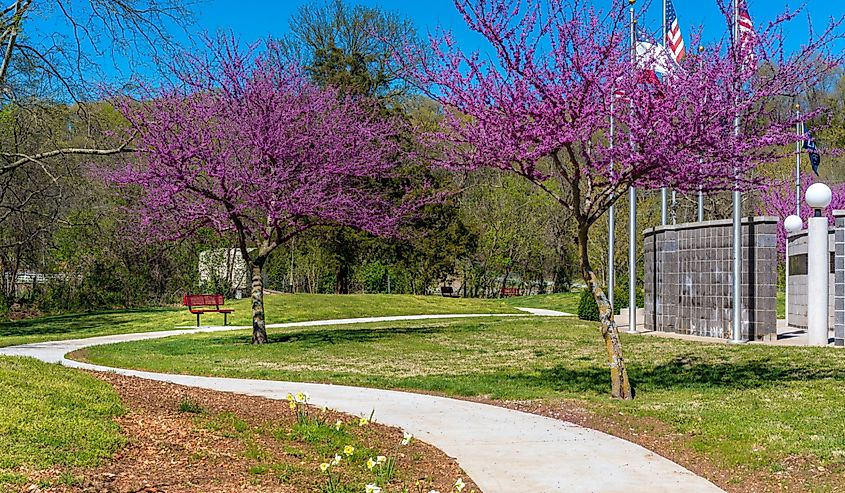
{"points": [[225, 319], [198, 319]]}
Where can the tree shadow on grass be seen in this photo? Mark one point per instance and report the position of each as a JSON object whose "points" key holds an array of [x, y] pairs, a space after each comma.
{"points": [[74, 322], [682, 372]]}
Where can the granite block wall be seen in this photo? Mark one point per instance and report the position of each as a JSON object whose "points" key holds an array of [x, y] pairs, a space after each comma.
{"points": [[688, 278]]}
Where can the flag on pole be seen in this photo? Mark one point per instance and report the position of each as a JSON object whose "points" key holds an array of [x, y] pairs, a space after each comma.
{"points": [[747, 37], [812, 151], [651, 56], [674, 39]]}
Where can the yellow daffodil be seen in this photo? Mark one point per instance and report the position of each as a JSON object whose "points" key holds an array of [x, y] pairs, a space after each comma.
{"points": [[300, 397], [292, 405], [372, 488], [371, 463], [338, 424], [459, 485], [349, 450], [363, 422], [290, 396], [406, 438], [324, 466]]}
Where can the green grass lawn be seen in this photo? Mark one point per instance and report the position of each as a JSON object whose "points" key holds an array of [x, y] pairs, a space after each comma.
{"points": [[53, 416], [747, 406], [279, 309]]}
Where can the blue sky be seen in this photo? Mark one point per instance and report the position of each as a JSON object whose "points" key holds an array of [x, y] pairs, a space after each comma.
{"points": [[254, 20]]}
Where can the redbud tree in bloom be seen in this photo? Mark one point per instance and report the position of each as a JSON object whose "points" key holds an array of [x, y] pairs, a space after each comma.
{"points": [[540, 103], [244, 145]]}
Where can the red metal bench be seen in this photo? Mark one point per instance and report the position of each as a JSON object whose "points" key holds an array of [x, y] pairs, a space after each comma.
{"points": [[510, 292], [202, 303]]}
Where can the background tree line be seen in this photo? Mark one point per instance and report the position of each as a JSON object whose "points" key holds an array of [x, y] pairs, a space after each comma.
{"points": [[64, 241]]}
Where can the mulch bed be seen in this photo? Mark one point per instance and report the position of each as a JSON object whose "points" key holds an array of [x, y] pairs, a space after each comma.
{"points": [[173, 451]]}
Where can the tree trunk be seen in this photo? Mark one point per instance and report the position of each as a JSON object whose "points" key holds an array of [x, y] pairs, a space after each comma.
{"points": [[259, 329], [620, 387]]}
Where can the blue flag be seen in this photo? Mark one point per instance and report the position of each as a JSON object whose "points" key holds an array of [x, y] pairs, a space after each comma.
{"points": [[812, 151]]}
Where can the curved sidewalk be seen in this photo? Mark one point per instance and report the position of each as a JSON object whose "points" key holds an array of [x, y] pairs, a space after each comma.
{"points": [[504, 451]]}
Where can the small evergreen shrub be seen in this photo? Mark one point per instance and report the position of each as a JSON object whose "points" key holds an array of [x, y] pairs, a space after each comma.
{"points": [[587, 307]]}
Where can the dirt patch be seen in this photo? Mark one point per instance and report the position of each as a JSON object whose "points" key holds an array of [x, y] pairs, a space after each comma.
{"points": [[183, 439]]}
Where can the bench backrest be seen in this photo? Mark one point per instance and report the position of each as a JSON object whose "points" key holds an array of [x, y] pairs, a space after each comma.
{"points": [[202, 300], [446, 290]]}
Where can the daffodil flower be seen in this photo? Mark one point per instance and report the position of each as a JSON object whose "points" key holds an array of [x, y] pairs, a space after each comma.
{"points": [[349, 450], [381, 459], [300, 397], [292, 405], [338, 424], [324, 466], [459, 485], [406, 438], [371, 463], [336, 460], [363, 422], [372, 488], [290, 396]]}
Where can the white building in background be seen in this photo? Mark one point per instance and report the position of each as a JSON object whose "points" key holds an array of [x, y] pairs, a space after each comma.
{"points": [[225, 266]]}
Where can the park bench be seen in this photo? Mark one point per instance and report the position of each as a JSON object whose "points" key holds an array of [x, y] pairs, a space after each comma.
{"points": [[510, 292], [206, 303], [448, 292]]}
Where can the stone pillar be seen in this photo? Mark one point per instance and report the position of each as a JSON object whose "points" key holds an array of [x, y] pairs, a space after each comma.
{"points": [[818, 278]]}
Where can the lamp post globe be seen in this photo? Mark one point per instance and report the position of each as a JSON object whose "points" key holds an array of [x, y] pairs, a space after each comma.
{"points": [[818, 196], [793, 224]]}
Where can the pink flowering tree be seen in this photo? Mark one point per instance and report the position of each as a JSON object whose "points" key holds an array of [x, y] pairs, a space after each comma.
{"points": [[540, 107], [778, 199], [246, 146]]}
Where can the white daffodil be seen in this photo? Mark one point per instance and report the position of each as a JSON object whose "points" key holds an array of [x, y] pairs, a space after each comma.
{"points": [[324, 466], [338, 424], [336, 460], [406, 438], [372, 488], [371, 463], [381, 459], [459, 485]]}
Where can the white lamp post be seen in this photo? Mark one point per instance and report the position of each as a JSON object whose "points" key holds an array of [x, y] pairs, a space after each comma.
{"points": [[818, 197], [792, 224]]}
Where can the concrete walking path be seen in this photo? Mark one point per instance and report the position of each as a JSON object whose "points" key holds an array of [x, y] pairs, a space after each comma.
{"points": [[502, 450]]}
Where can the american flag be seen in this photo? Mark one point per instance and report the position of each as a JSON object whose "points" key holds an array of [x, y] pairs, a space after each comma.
{"points": [[674, 39], [746, 32]]}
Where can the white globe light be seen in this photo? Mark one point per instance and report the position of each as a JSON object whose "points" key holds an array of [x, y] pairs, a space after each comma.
{"points": [[818, 196], [793, 223]]}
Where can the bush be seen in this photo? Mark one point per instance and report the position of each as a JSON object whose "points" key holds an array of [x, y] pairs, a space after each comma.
{"points": [[587, 307], [589, 310]]}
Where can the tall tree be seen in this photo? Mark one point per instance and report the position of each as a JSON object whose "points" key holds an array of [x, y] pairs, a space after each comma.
{"points": [[540, 108], [244, 144]]}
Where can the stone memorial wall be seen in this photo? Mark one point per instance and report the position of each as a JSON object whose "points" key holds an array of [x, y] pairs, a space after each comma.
{"points": [[689, 277]]}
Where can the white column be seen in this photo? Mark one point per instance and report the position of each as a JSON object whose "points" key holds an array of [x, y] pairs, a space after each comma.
{"points": [[818, 272]]}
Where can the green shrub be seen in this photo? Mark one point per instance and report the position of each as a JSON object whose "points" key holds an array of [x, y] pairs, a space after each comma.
{"points": [[589, 310]]}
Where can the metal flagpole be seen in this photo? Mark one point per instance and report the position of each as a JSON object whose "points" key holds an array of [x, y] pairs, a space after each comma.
{"points": [[632, 218], [611, 225], [663, 189], [700, 192], [798, 161], [736, 325]]}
